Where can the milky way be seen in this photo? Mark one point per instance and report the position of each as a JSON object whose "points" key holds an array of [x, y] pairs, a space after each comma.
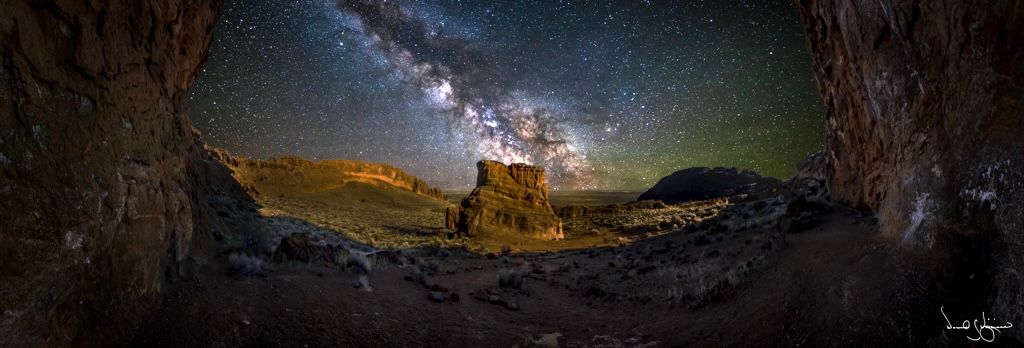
{"points": [[609, 95], [458, 80]]}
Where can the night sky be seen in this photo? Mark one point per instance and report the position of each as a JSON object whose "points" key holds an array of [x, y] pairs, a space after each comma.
{"points": [[603, 95]]}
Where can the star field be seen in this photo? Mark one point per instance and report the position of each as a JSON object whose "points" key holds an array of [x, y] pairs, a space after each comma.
{"points": [[605, 96]]}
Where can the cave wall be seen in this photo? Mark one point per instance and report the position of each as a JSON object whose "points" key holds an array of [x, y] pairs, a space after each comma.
{"points": [[925, 126], [96, 205]]}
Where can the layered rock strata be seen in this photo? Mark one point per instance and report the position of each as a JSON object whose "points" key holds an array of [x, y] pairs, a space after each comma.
{"points": [[509, 200], [288, 175]]}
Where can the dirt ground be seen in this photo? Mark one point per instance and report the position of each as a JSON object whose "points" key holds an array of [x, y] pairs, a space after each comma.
{"points": [[760, 271], [832, 285]]}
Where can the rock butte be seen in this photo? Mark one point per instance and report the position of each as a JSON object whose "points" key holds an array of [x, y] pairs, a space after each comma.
{"points": [[510, 199]]}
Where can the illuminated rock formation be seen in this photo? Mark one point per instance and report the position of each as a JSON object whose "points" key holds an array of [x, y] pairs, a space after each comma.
{"points": [[509, 200], [289, 175], [451, 218]]}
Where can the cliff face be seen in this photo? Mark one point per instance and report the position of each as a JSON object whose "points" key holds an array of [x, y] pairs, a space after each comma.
{"points": [[295, 175], [94, 141], [701, 183], [926, 106], [508, 200]]}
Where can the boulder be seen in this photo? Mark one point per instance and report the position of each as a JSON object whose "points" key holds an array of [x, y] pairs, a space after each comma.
{"points": [[294, 248], [813, 167], [509, 199], [451, 218], [298, 247], [700, 183]]}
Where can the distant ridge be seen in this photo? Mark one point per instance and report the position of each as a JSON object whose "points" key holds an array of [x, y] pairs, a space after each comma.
{"points": [[293, 174], [702, 183]]}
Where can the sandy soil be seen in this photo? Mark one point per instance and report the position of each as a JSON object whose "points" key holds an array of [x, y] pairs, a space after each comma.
{"points": [[381, 217]]}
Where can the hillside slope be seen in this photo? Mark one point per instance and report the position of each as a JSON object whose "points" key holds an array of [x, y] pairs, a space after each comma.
{"points": [[295, 175]]}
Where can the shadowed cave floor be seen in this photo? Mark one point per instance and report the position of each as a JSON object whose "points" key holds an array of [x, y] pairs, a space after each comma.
{"points": [[832, 285]]}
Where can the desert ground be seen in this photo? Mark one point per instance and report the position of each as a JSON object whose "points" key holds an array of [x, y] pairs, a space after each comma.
{"points": [[710, 273]]}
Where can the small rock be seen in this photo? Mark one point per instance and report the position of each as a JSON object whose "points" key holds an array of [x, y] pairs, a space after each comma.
{"points": [[480, 295], [414, 277], [437, 296], [511, 278]]}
